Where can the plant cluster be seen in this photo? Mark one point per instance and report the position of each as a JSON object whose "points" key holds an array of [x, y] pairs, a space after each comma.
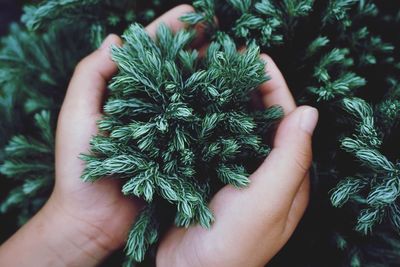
{"points": [[177, 127]]}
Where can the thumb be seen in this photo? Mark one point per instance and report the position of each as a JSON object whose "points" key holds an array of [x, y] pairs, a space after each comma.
{"points": [[276, 182], [294, 137], [288, 163]]}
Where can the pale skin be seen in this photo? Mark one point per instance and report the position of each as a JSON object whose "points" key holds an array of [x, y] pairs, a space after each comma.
{"points": [[83, 223]]}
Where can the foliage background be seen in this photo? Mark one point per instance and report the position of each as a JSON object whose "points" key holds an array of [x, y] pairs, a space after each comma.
{"points": [[9, 11]]}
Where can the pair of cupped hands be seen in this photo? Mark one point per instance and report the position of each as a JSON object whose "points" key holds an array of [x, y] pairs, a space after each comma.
{"points": [[83, 223]]}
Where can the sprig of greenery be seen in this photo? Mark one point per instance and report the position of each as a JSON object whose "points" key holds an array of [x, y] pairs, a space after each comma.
{"points": [[177, 126]]}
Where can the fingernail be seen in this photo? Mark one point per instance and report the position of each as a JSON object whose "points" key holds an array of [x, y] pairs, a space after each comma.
{"points": [[309, 119], [107, 42]]}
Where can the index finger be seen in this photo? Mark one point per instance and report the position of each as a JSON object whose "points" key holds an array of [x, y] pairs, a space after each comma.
{"points": [[172, 20]]}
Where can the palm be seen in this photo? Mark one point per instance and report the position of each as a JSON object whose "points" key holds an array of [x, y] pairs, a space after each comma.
{"points": [[100, 204]]}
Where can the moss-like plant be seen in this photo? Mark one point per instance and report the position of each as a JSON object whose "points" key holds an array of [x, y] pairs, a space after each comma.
{"points": [[178, 126]]}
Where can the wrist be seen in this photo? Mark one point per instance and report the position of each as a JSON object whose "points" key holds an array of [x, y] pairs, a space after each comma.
{"points": [[54, 239], [74, 240]]}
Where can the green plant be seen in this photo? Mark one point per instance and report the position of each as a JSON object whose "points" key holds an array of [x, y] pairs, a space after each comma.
{"points": [[176, 127]]}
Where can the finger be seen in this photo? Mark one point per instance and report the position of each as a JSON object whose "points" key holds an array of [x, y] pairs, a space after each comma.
{"points": [[285, 168], [299, 206], [275, 91], [88, 84], [202, 47], [202, 43], [276, 182], [172, 20]]}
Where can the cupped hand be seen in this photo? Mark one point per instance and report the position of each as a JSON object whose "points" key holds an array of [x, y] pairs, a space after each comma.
{"points": [[251, 225], [100, 208]]}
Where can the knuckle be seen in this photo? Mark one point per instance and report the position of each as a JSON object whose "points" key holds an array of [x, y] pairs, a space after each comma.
{"points": [[185, 8], [83, 65], [303, 160], [266, 58], [277, 217], [114, 38], [80, 66]]}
